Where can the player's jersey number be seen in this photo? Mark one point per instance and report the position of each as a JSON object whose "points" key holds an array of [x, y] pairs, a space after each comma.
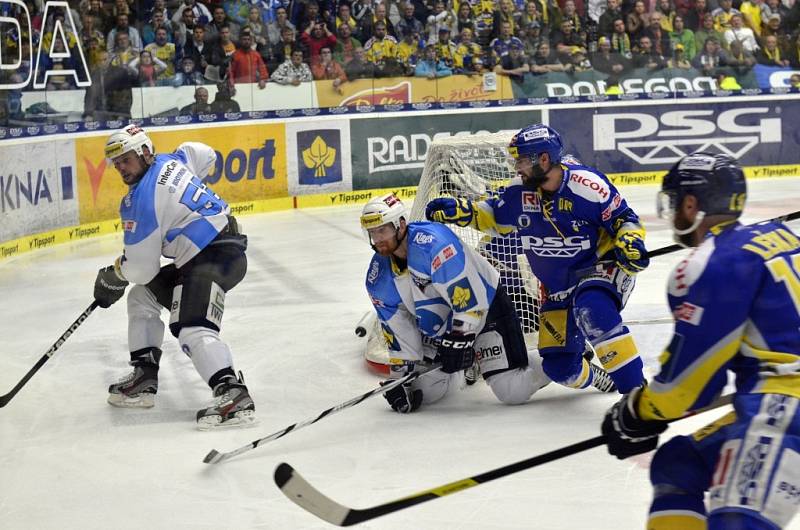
{"points": [[787, 270], [198, 198]]}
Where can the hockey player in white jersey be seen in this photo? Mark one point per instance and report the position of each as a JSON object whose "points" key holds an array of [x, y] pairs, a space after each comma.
{"points": [[169, 212], [440, 301]]}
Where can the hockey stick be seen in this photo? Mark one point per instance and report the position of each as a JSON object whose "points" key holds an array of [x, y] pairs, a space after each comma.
{"points": [[303, 494], [4, 399], [675, 247], [215, 457]]}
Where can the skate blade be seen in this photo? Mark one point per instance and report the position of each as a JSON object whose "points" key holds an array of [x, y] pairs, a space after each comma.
{"points": [[141, 401], [242, 419]]}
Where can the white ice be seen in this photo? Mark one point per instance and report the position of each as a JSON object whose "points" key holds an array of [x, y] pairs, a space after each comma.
{"points": [[68, 460]]}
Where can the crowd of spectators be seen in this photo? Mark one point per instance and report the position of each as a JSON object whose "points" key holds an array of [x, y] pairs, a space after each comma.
{"points": [[133, 43]]}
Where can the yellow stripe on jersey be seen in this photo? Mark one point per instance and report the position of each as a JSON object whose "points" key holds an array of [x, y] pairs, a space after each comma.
{"points": [[483, 220], [772, 364], [617, 352], [714, 426], [579, 381], [676, 520], [605, 243], [673, 398]]}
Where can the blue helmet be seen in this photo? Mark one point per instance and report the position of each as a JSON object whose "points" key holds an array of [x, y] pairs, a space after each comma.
{"points": [[533, 140], [716, 180]]}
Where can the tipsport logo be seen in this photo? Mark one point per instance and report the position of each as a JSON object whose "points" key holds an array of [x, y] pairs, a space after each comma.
{"points": [[650, 139]]}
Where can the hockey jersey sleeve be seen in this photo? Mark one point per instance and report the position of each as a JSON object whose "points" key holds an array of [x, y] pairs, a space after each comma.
{"points": [[710, 295], [495, 215], [198, 157], [140, 261]]}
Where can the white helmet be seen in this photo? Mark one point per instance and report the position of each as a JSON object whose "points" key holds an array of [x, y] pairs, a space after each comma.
{"points": [[382, 210], [129, 138]]}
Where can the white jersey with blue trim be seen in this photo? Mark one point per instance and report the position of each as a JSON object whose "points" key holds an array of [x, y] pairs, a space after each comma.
{"points": [[445, 286], [170, 212]]}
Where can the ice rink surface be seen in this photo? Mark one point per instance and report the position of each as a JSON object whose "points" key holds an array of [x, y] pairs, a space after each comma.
{"points": [[68, 460]]}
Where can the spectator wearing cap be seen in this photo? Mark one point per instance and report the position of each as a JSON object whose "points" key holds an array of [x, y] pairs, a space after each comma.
{"points": [[294, 71], [531, 36], [327, 68], [502, 43], [408, 23], [578, 61], [441, 18], [678, 59], [445, 47], [346, 44], [738, 32], [772, 7], [775, 27], [200, 105], [513, 64], [771, 53], [606, 61], [408, 53], [683, 36], [431, 67], [247, 66]]}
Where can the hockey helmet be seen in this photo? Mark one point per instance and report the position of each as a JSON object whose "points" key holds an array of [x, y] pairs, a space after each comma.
{"points": [[382, 210], [129, 138], [716, 180], [534, 140]]}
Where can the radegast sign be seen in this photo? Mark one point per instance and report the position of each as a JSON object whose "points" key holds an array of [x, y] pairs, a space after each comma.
{"points": [[390, 152], [626, 138]]}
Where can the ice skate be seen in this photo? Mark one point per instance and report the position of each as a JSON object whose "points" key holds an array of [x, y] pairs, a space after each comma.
{"points": [[232, 407], [135, 390]]}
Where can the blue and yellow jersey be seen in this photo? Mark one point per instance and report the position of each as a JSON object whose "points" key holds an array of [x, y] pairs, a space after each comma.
{"points": [[445, 285], [736, 305], [563, 233]]}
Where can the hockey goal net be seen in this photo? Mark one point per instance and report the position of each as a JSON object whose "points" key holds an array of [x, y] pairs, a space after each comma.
{"points": [[471, 167]]}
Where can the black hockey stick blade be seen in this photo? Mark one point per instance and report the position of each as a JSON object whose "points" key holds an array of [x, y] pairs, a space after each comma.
{"points": [[303, 494], [675, 247], [306, 496], [4, 399]]}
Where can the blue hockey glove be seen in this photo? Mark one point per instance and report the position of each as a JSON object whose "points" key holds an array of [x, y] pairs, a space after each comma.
{"points": [[456, 352], [630, 252], [446, 210], [626, 434], [403, 398], [108, 286]]}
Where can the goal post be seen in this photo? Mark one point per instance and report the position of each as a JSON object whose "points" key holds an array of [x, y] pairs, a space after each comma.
{"points": [[473, 167]]}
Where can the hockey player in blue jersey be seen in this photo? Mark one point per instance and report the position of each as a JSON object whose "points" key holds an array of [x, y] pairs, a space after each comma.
{"points": [[169, 212], [736, 304], [584, 244], [438, 300]]}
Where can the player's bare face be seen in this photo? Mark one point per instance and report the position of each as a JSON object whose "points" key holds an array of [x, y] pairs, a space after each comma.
{"points": [[130, 167], [384, 239], [524, 168]]}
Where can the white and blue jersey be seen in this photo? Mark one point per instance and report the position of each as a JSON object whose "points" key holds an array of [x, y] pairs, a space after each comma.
{"points": [[170, 212], [446, 286]]}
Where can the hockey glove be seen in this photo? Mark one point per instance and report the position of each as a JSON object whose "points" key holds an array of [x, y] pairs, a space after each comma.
{"points": [[629, 250], [446, 210], [456, 352], [626, 434], [403, 398], [108, 286]]}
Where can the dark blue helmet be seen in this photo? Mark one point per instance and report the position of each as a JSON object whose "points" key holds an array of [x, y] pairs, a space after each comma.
{"points": [[716, 180], [533, 140]]}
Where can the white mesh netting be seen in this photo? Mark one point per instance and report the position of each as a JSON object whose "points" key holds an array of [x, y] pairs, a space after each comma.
{"points": [[472, 167]]}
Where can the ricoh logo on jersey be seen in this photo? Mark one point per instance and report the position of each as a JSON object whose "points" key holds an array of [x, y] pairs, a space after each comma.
{"points": [[555, 246], [596, 185], [530, 202], [663, 139]]}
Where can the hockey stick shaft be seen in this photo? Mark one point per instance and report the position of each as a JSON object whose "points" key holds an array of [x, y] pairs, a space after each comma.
{"points": [[673, 248], [4, 399], [215, 457], [302, 493]]}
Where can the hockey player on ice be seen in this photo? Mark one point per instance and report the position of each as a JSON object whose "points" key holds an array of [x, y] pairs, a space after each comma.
{"points": [[583, 242], [440, 301], [736, 304], [169, 211]]}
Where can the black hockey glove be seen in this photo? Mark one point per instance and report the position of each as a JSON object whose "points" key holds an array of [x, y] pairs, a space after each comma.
{"points": [[108, 287], [403, 398], [626, 434], [456, 352]]}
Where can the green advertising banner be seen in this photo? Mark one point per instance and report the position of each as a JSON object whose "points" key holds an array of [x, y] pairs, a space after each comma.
{"points": [[390, 151], [639, 81]]}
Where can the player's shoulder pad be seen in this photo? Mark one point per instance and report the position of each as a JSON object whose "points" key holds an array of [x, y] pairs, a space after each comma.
{"points": [[430, 245], [376, 268], [588, 184]]}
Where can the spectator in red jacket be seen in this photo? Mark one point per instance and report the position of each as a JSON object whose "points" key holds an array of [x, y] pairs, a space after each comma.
{"points": [[315, 37], [247, 66]]}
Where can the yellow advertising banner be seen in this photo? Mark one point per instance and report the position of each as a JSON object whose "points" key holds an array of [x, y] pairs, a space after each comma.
{"points": [[400, 90], [251, 165]]}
